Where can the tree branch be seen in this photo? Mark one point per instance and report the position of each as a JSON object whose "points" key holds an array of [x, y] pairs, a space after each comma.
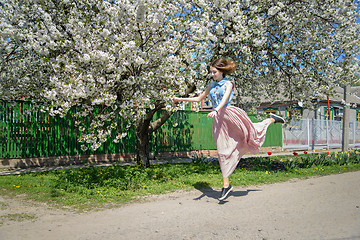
{"points": [[160, 121]]}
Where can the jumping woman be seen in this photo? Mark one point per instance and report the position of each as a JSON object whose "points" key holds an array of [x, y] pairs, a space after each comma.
{"points": [[233, 131]]}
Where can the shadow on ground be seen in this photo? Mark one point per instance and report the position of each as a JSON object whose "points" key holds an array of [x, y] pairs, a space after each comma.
{"points": [[207, 191]]}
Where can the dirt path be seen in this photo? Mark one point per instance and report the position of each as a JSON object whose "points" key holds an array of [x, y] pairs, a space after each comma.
{"points": [[317, 208]]}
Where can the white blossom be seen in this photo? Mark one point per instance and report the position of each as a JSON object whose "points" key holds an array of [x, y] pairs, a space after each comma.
{"points": [[84, 148], [140, 13], [273, 10]]}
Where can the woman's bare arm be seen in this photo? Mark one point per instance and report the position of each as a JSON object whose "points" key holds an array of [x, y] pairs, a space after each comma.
{"points": [[193, 99]]}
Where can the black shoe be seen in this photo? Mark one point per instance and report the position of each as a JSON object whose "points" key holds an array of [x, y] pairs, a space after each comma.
{"points": [[277, 118], [225, 192]]}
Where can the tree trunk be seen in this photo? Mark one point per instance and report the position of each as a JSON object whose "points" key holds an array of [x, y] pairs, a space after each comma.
{"points": [[144, 129], [143, 144]]}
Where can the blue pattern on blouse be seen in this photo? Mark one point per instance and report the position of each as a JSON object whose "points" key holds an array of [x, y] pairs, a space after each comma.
{"points": [[217, 90]]}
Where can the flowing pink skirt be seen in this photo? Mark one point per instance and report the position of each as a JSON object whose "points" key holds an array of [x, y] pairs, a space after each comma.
{"points": [[235, 135]]}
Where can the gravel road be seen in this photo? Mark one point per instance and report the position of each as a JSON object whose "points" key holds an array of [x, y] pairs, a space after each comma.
{"points": [[326, 208]]}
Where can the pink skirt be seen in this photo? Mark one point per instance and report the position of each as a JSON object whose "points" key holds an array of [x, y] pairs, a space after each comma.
{"points": [[235, 135]]}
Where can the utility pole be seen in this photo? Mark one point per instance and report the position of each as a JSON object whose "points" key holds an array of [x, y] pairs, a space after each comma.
{"points": [[345, 136]]}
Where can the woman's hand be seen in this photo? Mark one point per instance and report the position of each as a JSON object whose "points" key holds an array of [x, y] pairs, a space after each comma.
{"points": [[176, 99], [212, 114]]}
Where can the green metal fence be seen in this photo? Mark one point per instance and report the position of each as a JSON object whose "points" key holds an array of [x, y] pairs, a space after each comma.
{"points": [[26, 132], [189, 130]]}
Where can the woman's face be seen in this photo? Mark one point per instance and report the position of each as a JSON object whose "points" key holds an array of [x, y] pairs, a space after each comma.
{"points": [[216, 74]]}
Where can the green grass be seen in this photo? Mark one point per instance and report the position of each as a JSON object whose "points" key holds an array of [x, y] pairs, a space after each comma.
{"points": [[17, 217], [100, 187]]}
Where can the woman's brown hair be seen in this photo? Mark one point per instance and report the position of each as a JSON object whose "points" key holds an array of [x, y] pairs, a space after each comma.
{"points": [[224, 65]]}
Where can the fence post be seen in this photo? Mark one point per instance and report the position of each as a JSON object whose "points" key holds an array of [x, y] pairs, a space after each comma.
{"points": [[354, 129], [308, 133], [327, 134], [313, 134], [345, 135]]}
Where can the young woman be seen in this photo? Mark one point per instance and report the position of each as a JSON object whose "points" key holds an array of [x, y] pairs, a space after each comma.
{"points": [[233, 131]]}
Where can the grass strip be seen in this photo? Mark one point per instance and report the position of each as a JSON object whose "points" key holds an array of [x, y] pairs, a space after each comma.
{"points": [[100, 187]]}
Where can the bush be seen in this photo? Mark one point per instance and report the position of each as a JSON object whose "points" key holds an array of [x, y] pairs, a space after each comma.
{"points": [[321, 159]]}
